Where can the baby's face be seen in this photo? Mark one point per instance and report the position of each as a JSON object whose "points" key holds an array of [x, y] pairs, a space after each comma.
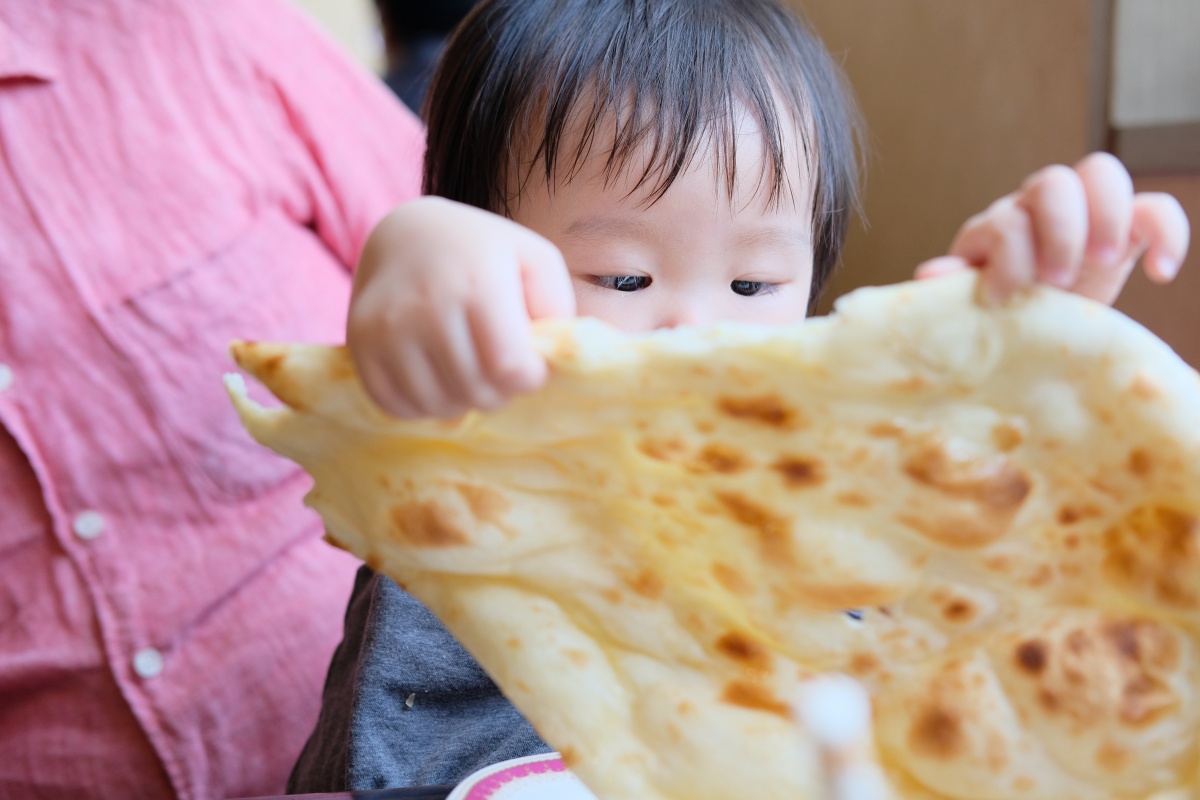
{"points": [[694, 257]]}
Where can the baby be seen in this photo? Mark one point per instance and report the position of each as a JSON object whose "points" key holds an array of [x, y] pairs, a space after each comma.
{"points": [[652, 163]]}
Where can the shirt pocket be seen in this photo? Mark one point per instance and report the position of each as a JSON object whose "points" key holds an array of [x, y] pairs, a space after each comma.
{"points": [[275, 282]]}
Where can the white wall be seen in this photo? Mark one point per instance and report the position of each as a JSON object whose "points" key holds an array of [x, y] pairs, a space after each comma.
{"points": [[353, 23], [1156, 63]]}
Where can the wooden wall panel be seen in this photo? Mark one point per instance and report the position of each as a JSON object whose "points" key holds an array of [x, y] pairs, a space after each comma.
{"points": [[962, 100], [1172, 311]]}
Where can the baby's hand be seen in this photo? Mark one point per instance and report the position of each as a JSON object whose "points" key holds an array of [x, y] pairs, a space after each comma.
{"points": [[439, 320], [1080, 229]]}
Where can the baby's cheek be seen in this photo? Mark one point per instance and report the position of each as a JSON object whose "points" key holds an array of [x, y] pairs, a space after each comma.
{"points": [[786, 306], [625, 311]]}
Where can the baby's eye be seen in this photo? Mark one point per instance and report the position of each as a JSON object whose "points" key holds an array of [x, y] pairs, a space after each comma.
{"points": [[622, 283], [751, 288]]}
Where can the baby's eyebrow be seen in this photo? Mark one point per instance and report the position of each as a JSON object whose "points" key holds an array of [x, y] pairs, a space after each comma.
{"points": [[611, 226], [773, 237]]}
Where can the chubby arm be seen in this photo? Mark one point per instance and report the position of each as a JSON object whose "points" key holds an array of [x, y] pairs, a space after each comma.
{"points": [[1078, 228], [440, 316]]}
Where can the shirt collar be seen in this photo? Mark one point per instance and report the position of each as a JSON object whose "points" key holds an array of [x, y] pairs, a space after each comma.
{"points": [[21, 59]]}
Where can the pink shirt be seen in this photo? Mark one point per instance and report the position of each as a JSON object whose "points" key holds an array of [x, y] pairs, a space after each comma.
{"points": [[173, 175]]}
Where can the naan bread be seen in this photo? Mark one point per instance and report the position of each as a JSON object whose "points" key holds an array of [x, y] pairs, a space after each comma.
{"points": [[649, 553]]}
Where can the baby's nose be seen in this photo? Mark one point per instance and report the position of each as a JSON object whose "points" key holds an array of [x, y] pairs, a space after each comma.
{"points": [[683, 314]]}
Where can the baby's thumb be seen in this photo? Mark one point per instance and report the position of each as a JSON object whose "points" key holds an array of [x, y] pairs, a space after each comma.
{"points": [[548, 291]]}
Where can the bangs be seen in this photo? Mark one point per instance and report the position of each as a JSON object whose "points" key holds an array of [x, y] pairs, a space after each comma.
{"points": [[539, 86], [663, 85]]}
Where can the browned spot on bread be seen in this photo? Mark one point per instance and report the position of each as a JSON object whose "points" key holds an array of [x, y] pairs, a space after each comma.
{"points": [[913, 383], [648, 584], [569, 756], [1031, 656], [271, 370], [384, 482], [706, 426], [577, 657], [720, 458], [272, 365], [684, 708], [937, 733], [863, 664], [995, 483], [765, 409], [959, 611], [1156, 549], [755, 696], [1042, 576], [1112, 758], [1069, 515], [342, 369], [853, 500], [800, 473], [663, 500], [1140, 463], [513, 644], [1024, 783], [835, 595], [1007, 437], [731, 579], [959, 531], [1102, 485], [773, 531], [486, 504], [1144, 701], [998, 563], [1145, 642], [1109, 671], [997, 752], [662, 449], [1144, 388], [427, 524], [990, 490], [746, 651], [885, 430], [1071, 541], [611, 595]]}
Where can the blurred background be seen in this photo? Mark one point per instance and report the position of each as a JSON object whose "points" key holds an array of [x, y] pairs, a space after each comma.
{"points": [[962, 101]]}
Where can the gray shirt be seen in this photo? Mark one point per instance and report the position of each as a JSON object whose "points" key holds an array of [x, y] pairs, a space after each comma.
{"points": [[404, 704]]}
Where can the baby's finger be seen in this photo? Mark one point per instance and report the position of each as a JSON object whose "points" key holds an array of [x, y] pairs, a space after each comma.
{"points": [[423, 385], [942, 265], [377, 381], [503, 337], [1109, 191], [1055, 202], [544, 275], [1161, 227], [1000, 242], [457, 363]]}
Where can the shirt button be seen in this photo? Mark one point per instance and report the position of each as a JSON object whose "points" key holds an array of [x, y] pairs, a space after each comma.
{"points": [[6, 378], [148, 663], [88, 525]]}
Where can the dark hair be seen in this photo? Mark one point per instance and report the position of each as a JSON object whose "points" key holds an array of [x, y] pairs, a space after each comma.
{"points": [[520, 74], [408, 20]]}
